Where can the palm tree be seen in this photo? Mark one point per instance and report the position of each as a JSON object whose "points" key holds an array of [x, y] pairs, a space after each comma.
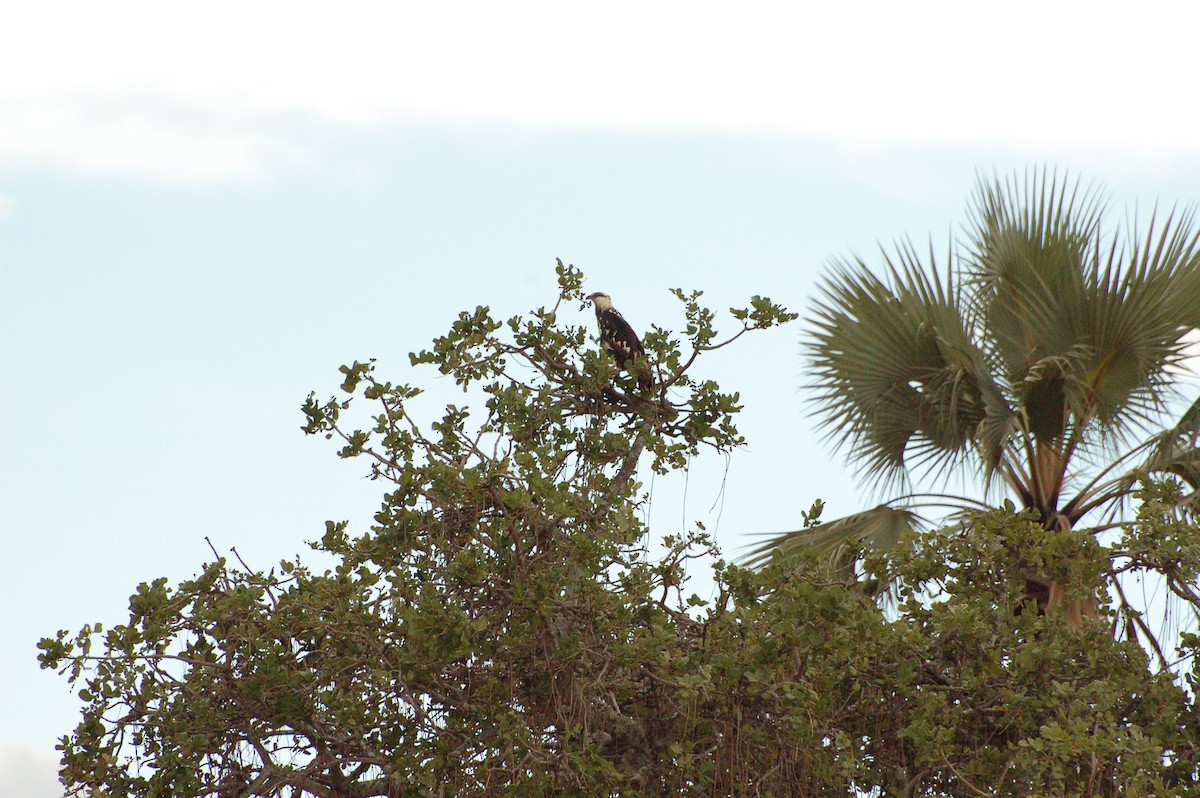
{"points": [[1039, 356]]}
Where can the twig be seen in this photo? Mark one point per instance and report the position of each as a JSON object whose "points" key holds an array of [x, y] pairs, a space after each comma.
{"points": [[1137, 619]]}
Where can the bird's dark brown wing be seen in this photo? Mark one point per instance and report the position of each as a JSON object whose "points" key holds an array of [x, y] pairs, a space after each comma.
{"points": [[619, 338]]}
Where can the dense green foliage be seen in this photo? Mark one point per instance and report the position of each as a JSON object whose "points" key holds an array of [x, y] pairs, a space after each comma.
{"points": [[502, 630]]}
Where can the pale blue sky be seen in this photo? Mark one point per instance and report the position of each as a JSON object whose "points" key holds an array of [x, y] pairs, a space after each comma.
{"points": [[187, 253]]}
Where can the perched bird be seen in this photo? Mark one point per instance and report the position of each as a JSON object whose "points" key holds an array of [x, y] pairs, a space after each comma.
{"points": [[619, 338]]}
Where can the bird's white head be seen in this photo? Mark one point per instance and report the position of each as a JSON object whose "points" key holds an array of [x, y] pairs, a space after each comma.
{"points": [[601, 300]]}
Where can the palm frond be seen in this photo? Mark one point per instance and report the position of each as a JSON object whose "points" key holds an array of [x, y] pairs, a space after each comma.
{"points": [[1140, 304], [841, 541], [1026, 241], [1172, 452], [1084, 329], [1176, 451], [898, 375]]}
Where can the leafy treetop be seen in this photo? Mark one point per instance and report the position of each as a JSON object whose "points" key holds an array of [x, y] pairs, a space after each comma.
{"points": [[500, 630]]}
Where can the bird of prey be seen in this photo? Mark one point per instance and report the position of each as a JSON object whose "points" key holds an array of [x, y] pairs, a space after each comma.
{"points": [[619, 338]]}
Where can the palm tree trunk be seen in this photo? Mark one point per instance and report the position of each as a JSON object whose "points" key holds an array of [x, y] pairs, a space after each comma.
{"points": [[1073, 611]]}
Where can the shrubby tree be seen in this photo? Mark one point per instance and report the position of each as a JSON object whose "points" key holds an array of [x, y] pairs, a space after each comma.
{"points": [[502, 630]]}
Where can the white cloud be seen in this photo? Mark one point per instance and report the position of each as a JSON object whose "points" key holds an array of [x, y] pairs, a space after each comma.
{"points": [[148, 137], [27, 772], [1027, 73]]}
